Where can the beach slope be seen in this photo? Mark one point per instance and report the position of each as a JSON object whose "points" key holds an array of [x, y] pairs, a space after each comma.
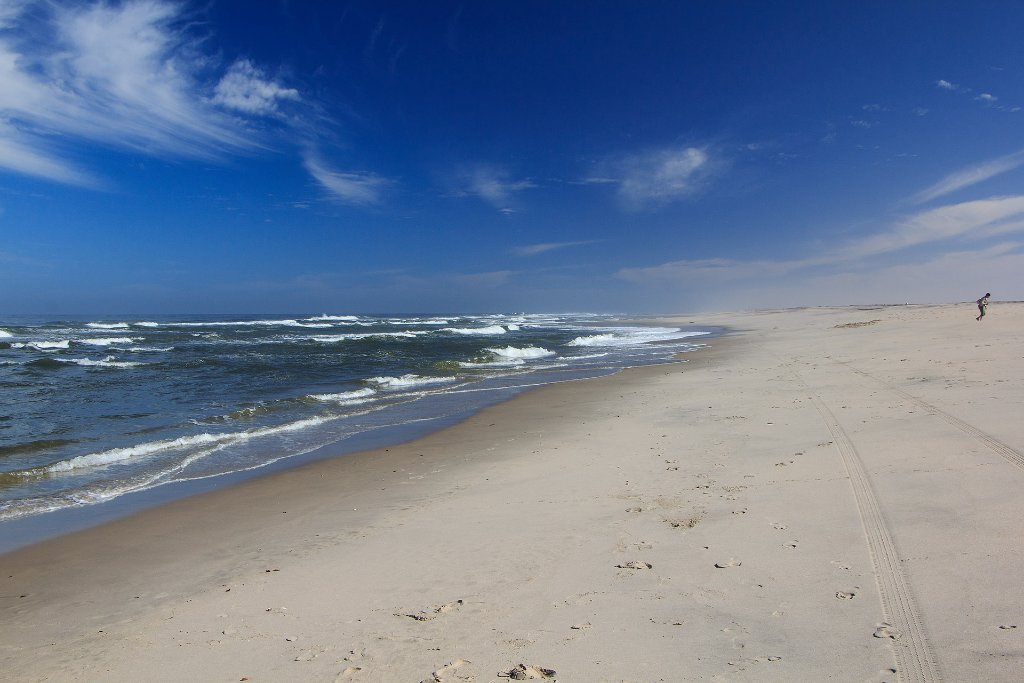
{"points": [[826, 493]]}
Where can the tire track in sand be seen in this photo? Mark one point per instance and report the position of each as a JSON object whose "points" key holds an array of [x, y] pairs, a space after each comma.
{"points": [[915, 662], [1011, 455]]}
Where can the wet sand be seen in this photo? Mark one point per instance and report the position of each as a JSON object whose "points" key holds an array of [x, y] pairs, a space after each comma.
{"points": [[824, 493]]}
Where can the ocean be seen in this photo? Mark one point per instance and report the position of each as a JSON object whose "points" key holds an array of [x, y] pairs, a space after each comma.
{"points": [[96, 410]]}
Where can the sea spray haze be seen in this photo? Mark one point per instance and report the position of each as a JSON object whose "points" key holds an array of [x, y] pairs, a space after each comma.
{"points": [[93, 409]]}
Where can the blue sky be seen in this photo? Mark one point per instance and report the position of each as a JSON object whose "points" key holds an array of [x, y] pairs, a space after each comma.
{"points": [[507, 156]]}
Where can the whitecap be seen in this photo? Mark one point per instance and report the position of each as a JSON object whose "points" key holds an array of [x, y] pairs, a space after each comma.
{"points": [[106, 341], [118, 455], [108, 326], [331, 338], [346, 318], [42, 345], [243, 323], [146, 323], [632, 336], [490, 329], [406, 381], [346, 397], [108, 362], [5, 334], [523, 353], [507, 363]]}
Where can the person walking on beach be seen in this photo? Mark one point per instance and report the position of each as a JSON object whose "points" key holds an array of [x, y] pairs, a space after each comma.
{"points": [[982, 305]]}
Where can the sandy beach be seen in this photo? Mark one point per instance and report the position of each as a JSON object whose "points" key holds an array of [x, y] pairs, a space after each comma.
{"points": [[821, 494]]}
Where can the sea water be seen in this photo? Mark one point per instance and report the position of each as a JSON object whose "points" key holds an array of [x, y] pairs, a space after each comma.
{"points": [[95, 409]]}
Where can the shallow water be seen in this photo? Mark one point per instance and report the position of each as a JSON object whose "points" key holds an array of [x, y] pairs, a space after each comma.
{"points": [[94, 409]]}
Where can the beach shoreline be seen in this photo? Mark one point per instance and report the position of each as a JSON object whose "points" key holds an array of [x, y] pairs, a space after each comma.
{"points": [[804, 488]]}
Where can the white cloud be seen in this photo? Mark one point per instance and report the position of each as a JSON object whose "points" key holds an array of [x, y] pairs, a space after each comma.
{"points": [[9, 11], [534, 249], [946, 85], [987, 97], [347, 187], [979, 220], [971, 175], [124, 75], [491, 183], [660, 176], [20, 158], [246, 89]]}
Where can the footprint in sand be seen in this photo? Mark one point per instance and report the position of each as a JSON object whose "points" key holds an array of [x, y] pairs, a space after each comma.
{"points": [[687, 523], [887, 631], [634, 510], [450, 672], [635, 565], [348, 673], [779, 526], [731, 562], [432, 614], [845, 595], [1007, 627], [523, 672], [791, 544]]}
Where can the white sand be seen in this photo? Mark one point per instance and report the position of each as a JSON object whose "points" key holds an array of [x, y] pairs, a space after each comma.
{"points": [[775, 509]]}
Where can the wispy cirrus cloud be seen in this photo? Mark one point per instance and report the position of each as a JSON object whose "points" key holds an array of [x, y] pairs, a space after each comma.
{"points": [[491, 183], [347, 187], [534, 249], [128, 75], [656, 177], [978, 220], [972, 175]]}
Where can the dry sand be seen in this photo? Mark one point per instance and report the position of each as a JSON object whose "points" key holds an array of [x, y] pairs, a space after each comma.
{"points": [[827, 494]]}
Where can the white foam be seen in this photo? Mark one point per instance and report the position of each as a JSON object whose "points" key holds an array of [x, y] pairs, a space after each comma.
{"points": [[107, 362], [523, 353], [585, 356], [42, 345], [347, 318], [244, 323], [346, 397], [490, 329], [513, 327], [4, 334], [632, 336], [108, 326], [145, 349], [507, 363], [406, 381], [146, 323], [117, 455], [331, 338], [107, 341]]}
